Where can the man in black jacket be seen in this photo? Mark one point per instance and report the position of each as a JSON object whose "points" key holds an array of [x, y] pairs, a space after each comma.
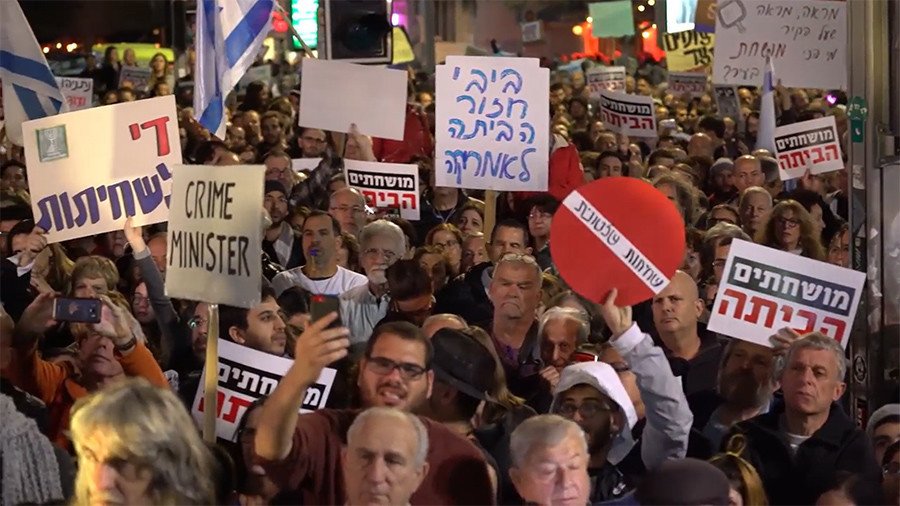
{"points": [[797, 448]]}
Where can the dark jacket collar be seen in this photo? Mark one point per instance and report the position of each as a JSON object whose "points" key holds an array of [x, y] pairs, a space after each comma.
{"points": [[833, 432]]}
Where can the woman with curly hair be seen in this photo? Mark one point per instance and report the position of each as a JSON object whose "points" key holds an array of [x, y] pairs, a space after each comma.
{"points": [[790, 228], [746, 485], [448, 239]]}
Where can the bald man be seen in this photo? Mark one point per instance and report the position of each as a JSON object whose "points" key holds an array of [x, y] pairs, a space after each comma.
{"points": [[348, 207], [747, 172], [693, 351], [701, 145], [443, 321]]}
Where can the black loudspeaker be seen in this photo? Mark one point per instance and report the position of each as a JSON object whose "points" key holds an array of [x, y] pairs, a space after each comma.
{"points": [[357, 31]]}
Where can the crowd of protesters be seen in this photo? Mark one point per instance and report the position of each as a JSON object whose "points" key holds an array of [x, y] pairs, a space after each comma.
{"points": [[467, 371]]}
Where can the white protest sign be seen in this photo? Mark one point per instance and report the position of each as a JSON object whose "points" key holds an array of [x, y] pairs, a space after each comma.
{"points": [[214, 234], [693, 83], [137, 77], [79, 92], [259, 73], [807, 40], [764, 290], [386, 185], [335, 94], [90, 170], [493, 123], [810, 145], [308, 164], [245, 375], [632, 115], [605, 79], [727, 102]]}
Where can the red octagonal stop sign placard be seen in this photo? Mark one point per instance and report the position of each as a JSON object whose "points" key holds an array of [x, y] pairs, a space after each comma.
{"points": [[617, 232]]}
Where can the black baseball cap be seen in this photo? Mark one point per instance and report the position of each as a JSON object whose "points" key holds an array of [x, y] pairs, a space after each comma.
{"points": [[463, 363]]}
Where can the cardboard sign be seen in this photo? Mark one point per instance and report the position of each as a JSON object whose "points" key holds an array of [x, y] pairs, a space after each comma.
{"points": [[617, 232], [79, 92], [492, 124], [764, 290], [693, 83], [532, 31], [688, 50], [632, 115], [335, 94], [605, 79], [215, 235], [90, 170], [137, 78], [612, 19], [260, 73], [810, 145], [705, 16], [245, 375], [806, 39], [307, 164], [728, 102], [386, 185]]}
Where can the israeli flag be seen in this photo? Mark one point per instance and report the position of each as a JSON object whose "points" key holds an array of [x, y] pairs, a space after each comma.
{"points": [[765, 137], [229, 35], [29, 89]]}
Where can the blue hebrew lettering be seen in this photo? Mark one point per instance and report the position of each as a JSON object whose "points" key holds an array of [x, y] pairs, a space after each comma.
{"points": [[164, 173], [504, 169], [149, 195], [522, 136], [473, 133], [498, 111], [455, 73], [127, 199], [504, 136], [91, 210], [525, 175], [474, 82], [453, 133], [50, 205], [459, 161], [470, 99], [516, 85], [66, 209], [514, 101]]}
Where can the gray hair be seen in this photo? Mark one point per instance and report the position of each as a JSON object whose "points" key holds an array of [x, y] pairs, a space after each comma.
{"points": [[759, 190], [145, 425], [383, 228], [815, 341], [541, 430], [350, 190], [518, 258], [565, 313], [396, 414], [723, 229], [446, 316]]}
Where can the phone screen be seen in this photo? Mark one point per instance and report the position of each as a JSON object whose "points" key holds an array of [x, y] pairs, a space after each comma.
{"points": [[77, 310]]}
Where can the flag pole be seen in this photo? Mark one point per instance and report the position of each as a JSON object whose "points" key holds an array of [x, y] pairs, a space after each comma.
{"points": [[211, 382], [287, 17]]}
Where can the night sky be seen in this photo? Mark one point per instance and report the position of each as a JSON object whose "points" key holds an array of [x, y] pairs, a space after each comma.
{"points": [[89, 21]]}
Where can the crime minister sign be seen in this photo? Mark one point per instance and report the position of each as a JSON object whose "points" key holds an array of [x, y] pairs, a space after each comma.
{"points": [[764, 290], [215, 234]]}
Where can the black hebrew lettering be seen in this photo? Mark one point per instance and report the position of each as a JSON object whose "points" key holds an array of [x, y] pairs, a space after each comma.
{"points": [[802, 140], [791, 286], [246, 379], [378, 181]]}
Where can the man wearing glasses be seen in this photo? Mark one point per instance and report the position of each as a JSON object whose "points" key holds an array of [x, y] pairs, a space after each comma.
{"points": [[348, 207], [302, 453], [362, 307]]}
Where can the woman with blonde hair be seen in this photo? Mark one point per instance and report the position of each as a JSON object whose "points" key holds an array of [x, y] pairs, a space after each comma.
{"points": [[136, 445], [790, 228], [746, 485]]}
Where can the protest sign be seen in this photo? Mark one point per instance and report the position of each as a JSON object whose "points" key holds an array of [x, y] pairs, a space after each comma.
{"points": [[386, 185], [79, 92], [335, 94], [612, 19], [245, 375], [617, 232], [728, 102], [807, 40], [764, 290], [705, 16], [90, 170], [693, 83], [307, 164], [136, 78], [605, 78], [632, 115], [809, 145], [215, 234], [688, 50], [259, 73], [492, 123]]}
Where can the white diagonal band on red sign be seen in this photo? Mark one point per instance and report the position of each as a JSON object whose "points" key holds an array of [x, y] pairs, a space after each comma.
{"points": [[612, 238]]}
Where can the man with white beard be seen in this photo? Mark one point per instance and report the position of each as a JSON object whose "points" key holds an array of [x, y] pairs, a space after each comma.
{"points": [[381, 243]]}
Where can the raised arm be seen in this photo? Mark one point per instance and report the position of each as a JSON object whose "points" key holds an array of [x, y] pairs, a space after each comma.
{"points": [[668, 417], [316, 348]]}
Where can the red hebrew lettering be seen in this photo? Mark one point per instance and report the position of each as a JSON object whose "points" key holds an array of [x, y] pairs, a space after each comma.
{"points": [[740, 297], [798, 159], [135, 131], [220, 400], [784, 161], [236, 404], [394, 198], [647, 123], [757, 303], [162, 137], [408, 200], [788, 313], [831, 150], [371, 197], [633, 122], [839, 327], [810, 321], [817, 155]]}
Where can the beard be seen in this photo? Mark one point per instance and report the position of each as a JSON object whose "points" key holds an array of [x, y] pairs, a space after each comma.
{"points": [[377, 276], [741, 390]]}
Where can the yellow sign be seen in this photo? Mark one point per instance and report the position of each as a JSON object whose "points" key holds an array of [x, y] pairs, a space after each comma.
{"points": [[689, 50], [403, 51]]}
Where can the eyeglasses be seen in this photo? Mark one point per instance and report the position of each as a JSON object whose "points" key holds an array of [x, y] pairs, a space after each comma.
{"points": [[344, 209], [587, 410], [390, 256], [446, 245], [139, 299], [420, 311], [197, 321], [384, 366], [788, 222], [540, 216]]}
